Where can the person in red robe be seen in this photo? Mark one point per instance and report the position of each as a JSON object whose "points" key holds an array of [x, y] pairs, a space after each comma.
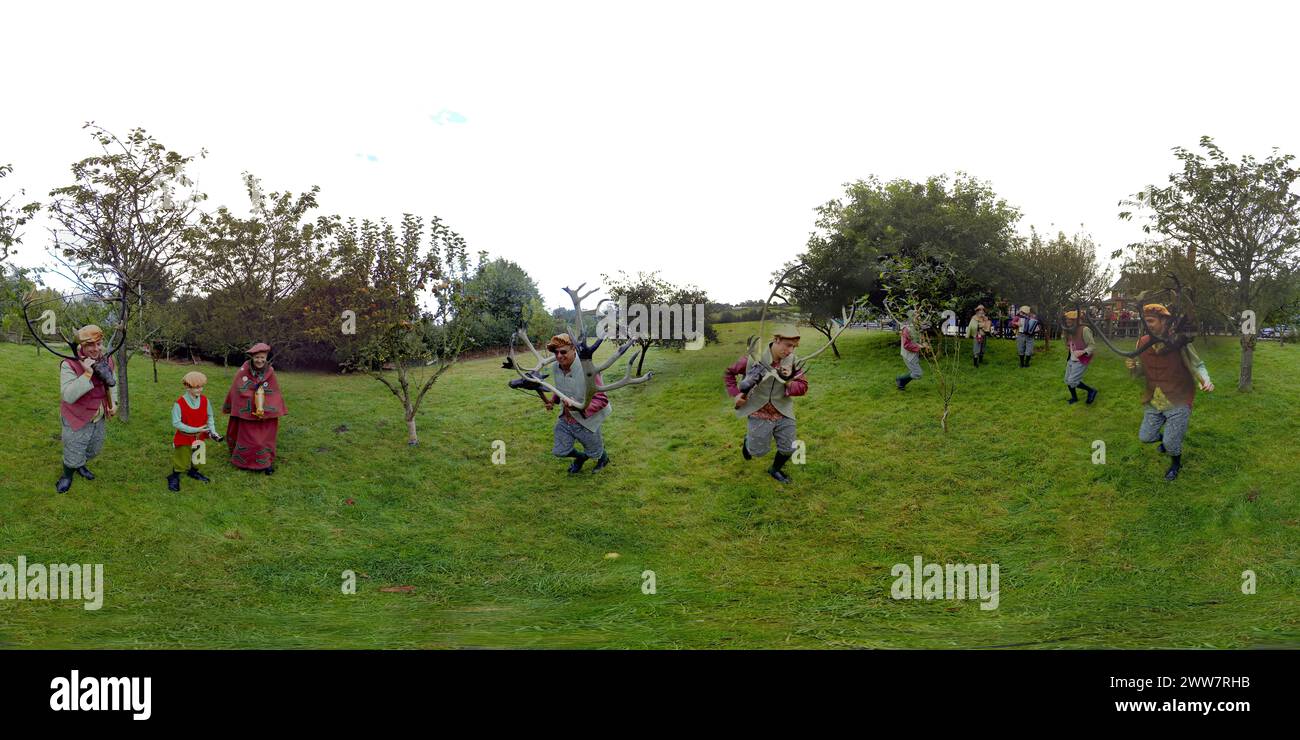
{"points": [[255, 406]]}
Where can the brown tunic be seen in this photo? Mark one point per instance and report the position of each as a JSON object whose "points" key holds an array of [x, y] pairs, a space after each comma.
{"points": [[1168, 374]]}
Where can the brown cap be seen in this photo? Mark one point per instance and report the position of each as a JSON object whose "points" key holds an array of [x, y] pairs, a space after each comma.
{"points": [[259, 347], [557, 341], [1155, 309], [90, 333], [194, 379]]}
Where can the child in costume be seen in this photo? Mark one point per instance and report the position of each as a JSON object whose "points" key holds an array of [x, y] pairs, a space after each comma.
{"points": [[194, 423], [1026, 326], [576, 425], [1171, 380], [979, 329], [1079, 343], [766, 402]]}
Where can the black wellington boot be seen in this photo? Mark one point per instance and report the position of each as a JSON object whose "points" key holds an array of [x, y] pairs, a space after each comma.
{"points": [[174, 482], [578, 460], [602, 462], [1074, 396], [66, 481], [775, 470], [745, 450], [84, 472], [1092, 393], [1173, 469], [196, 475]]}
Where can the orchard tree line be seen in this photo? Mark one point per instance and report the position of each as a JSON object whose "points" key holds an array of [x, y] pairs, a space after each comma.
{"points": [[400, 300], [403, 300], [1227, 230]]}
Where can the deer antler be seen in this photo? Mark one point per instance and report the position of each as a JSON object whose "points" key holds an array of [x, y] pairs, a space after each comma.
{"points": [[581, 336], [534, 378], [628, 378], [1174, 338], [29, 301], [846, 317]]}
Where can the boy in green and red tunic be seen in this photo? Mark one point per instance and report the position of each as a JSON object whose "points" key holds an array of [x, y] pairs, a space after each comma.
{"points": [[194, 423]]}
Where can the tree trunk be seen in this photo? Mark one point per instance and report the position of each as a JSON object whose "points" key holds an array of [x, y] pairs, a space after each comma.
{"points": [[412, 438], [645, 349], [123, 383], [1247, 362], [828, 331], [155, 368]]}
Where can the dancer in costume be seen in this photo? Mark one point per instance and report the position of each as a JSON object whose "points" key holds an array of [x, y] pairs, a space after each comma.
{"points": [[766, 402], [576, 424], [911, 344], [88, 390], [978, 330], [1026, 325], [255, 406], [1078, 340], [577, 386], [194, 424], [1171, 380]]}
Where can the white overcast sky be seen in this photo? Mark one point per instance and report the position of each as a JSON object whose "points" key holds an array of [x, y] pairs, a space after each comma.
{"points": [[693, 138]]}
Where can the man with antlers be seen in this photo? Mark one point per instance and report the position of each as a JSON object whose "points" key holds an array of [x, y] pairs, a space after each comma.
{"points": [[1169, 364], [764, 396], [88, 390], [578, 387], [585, 427]]}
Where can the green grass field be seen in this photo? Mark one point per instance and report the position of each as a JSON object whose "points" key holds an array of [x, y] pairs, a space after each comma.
{"points": [[516, 555]]}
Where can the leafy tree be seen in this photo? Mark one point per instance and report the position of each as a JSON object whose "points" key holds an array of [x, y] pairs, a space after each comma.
{"points": [[412, 305], [915, 292], [648, 290], [1242, 218], [254, 268], [15, 284], [13, 218], [960, 223], [1056, 274], [161, 327], [125, 217], [505, 299]]}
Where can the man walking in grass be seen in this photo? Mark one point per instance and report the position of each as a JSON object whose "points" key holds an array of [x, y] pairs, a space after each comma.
{"points": [[911, 344], [1079, 352], [766, 401], [978, 330], [88, 390], [1171, 379], [576, 424], [1026, 326]]}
